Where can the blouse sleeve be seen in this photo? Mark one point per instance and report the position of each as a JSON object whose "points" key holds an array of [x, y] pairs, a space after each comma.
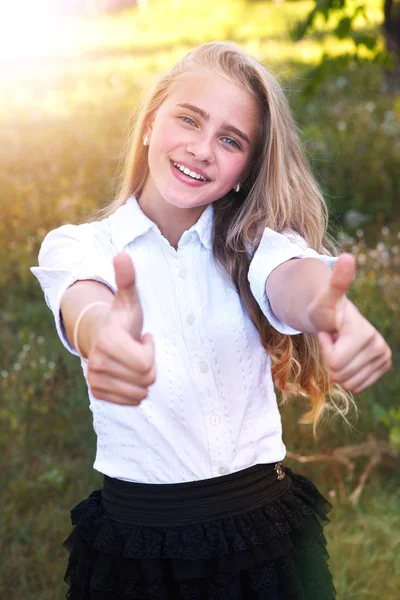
{"points": [[69, 254], [275, 249]]}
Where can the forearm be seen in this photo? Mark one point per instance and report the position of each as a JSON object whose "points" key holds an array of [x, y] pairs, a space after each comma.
{"points": [[74, 300], [291, 288]]}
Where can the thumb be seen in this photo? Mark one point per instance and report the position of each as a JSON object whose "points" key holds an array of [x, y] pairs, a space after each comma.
{"points": [[127, 309], [342, 276], [125, 278]]}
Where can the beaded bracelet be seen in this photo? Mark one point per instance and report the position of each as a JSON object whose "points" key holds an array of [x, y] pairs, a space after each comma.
{"points": [[78, 322]]}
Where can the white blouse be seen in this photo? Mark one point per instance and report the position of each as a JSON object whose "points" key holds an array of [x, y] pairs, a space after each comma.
{"points": [[212, 409]]}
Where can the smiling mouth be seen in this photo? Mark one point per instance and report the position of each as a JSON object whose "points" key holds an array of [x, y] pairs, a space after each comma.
{"points": [[189, 173]]}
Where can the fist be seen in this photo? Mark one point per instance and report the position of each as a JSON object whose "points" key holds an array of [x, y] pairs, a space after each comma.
{"points": [[355, 353], [121, 362]]}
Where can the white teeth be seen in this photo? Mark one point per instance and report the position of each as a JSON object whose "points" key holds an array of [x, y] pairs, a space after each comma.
{"points": [[187, 171]]}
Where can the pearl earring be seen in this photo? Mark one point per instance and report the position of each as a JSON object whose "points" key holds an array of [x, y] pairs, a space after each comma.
{"points": [[146, 140], [237, 188]]}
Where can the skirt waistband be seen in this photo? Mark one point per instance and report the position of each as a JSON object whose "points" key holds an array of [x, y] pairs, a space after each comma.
{"points": [[174, 504]]}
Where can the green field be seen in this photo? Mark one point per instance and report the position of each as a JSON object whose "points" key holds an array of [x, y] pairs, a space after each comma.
{"points": [[63, 123]]}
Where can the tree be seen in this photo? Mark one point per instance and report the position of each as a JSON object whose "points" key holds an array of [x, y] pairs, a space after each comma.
{"points": [[347, 14]]}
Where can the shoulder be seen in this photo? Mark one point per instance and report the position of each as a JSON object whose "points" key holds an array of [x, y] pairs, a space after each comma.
{"points": [[94, 236]]}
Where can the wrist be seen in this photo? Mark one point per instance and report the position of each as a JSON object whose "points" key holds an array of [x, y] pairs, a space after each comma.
{"points": [[87, 325]]}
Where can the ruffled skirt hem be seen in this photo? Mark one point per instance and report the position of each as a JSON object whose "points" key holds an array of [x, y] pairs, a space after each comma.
{"points": [[275, 552]]}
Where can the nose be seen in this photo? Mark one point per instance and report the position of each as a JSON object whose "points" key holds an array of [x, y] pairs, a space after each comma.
{"points": [[201, 148]]}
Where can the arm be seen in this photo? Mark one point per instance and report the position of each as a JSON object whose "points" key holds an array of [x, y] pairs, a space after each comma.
{"points": [[307, 295], [74, 300], [291, 288]]}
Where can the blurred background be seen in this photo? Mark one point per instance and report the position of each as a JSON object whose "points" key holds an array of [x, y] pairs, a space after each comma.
{"points": [[71, 73]]}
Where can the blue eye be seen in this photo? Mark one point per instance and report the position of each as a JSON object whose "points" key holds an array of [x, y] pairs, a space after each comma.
{"points": [[187, 120], [231, 142]]}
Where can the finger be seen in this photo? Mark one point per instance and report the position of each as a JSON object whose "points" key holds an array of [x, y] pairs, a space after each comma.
{"points": [[359, 376], [108, 368], [107, 397], [124, 350], [368, 356], [148, 348], [368, 345], [327, 343], [125, 279], [366, 377], [342, 276], [114, 390]]}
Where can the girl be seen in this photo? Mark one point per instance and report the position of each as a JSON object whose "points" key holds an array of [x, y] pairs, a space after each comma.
{"points": [[182, 303]]}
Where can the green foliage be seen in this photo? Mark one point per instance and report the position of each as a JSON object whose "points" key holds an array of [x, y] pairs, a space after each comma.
{"points": [[348, 20], [351, 133]]}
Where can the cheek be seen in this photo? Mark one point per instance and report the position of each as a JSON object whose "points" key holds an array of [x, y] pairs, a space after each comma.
{"points": [[166, 136], [234, 168]]}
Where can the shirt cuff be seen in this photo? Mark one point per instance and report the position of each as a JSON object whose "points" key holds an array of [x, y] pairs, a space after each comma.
{"points": [[275, 249]]}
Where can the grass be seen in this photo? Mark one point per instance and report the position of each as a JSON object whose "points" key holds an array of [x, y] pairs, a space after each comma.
{"points": [[63, 122]]}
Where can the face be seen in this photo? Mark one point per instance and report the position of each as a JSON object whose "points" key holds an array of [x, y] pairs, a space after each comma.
{"points": [[200, 141]]}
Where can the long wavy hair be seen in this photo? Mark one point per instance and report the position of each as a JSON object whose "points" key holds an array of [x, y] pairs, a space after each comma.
{"points": [[280, 192]]}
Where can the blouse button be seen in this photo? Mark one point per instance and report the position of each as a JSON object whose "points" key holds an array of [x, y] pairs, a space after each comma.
{"points": [[189, 238], [182, 273], [215, 419], [203, 367], [190, 319], [223, 470]]}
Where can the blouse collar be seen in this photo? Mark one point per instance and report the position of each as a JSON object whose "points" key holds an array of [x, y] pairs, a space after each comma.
{"points": [[129, 222]]}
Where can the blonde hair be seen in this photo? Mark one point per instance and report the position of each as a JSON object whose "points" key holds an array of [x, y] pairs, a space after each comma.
{"points": [[280, 193]]}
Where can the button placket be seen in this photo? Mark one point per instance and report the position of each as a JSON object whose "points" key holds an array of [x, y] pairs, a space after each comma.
{"points": [[188, 291], [215, 419]]}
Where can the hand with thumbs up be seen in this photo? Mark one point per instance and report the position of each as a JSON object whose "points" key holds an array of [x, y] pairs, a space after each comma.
{"points": [[121, 364], [355, 353]]}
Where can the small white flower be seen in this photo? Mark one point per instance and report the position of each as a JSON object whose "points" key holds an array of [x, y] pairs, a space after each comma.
{"points": [[360, 232], [47, 375], [361, 259], [380, 246], [42, 360], [51, 365], [332, 493], [17, 367], [385, 255], [341, 125], [26, 347], [385, 230], [370, 106], [4, 374], [40, 339]]}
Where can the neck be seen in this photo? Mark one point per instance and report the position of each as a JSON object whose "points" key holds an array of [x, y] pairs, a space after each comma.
{"points": [[171, 220]]}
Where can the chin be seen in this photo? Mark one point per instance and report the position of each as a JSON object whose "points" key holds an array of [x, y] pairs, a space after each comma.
{"points": [[186, 202]]}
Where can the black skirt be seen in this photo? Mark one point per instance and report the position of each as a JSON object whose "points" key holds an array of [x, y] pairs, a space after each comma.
{"points": [[250, 535]]}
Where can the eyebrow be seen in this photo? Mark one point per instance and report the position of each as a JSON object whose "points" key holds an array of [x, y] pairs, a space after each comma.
{"points": [[206, 117]]}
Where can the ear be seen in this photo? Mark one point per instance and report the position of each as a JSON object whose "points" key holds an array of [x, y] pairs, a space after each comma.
{"points": [[148, 126], [146, 136]]}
